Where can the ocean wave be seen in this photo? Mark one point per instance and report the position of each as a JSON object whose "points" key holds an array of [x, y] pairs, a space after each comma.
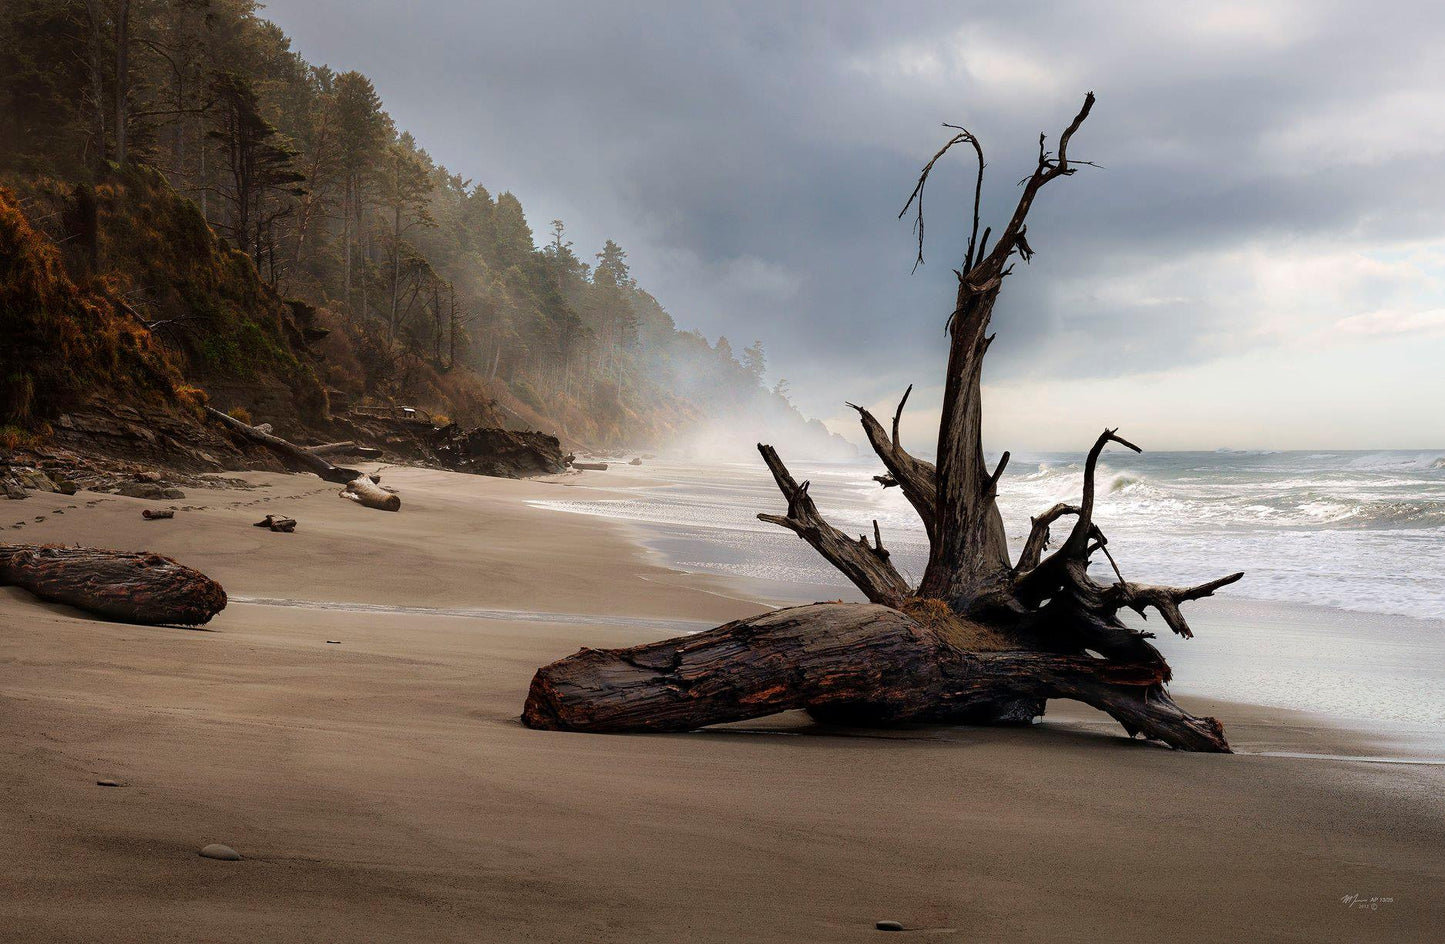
{"points": [[1123, 481], [1354, 530], [1388, 461]]}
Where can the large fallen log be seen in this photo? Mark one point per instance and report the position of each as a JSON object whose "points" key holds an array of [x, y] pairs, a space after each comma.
{"points": [[359, 487], [121, 585], [853, 663], [309, 461]]}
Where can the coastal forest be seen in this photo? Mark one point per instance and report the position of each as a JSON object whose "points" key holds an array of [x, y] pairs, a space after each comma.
{"points": [[199, 212]]}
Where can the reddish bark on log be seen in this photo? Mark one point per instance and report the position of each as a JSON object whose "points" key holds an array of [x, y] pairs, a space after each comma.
{"points": [[121, 585]]}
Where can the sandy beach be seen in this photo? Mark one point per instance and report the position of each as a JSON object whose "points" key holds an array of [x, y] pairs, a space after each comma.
{"points": [[381, 788]]}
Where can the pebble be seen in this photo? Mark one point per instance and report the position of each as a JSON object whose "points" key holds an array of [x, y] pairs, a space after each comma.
{"points": [[217, 851], [106, 783], [889, 925]]}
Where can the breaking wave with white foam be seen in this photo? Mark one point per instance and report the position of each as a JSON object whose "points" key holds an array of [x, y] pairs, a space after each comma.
{"points": [[1354, 530]]}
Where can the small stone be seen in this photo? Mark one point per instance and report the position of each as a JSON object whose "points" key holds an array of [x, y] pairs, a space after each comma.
{"points": [[889, 925], [333, 642], [66, 488], [217, 851], [106, 783]]}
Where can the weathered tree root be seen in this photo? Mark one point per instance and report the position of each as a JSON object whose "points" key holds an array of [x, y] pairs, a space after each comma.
{"points": [[855, 663], [982, 638], [121, 585]]}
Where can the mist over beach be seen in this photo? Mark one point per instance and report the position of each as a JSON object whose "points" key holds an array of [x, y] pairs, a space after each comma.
{"points": [[726, 472]]}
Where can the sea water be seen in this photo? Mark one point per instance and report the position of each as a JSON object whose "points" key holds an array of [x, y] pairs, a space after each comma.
{"points": [[1357, 531], [1345, 549]]}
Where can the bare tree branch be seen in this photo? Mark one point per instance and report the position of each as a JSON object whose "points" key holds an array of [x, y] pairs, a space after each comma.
{"points": [[915, 477], [867, 567]]}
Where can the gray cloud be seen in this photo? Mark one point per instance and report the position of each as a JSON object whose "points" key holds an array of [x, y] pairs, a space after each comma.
{"points": [[752, 159]]}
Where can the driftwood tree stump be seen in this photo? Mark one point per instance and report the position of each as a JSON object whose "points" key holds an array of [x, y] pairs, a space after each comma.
{"points": [[983, 638], [121, 585]]}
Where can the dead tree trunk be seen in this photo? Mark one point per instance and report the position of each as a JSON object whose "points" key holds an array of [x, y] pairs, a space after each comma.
{"points": [[981, 639], [120, 585], [359, 487], [850, 663]]}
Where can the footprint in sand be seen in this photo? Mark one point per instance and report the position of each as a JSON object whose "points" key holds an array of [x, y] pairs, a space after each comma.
{"points": [[39, 517]]}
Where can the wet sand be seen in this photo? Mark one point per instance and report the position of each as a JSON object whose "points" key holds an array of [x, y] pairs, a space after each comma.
{"points": [[381, 788]]}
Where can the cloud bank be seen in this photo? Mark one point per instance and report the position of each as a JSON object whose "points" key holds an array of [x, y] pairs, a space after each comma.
{"points": [[1272, 188]]}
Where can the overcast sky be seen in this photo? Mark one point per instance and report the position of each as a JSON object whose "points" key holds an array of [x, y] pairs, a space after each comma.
{"points": [[1261, 263]]}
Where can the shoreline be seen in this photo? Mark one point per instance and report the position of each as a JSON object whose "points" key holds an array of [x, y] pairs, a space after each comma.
{"points": [[382, 788], [1240, 641]]}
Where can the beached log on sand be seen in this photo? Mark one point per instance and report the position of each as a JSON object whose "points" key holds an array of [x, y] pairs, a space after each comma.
{"points": [[590, 466], [278, 523], [847, 663], [982, 638], [364, 490], [122, 585], [359, 487]]}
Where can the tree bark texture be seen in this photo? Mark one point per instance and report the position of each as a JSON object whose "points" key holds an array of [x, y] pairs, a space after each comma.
{"points": [[120, 585]]}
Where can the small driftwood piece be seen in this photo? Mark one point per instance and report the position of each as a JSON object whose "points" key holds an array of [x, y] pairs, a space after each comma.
{"points": [[364, 490], [590, 466], [122, 585], [149, 515], [278, 523], [359, 487]]}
